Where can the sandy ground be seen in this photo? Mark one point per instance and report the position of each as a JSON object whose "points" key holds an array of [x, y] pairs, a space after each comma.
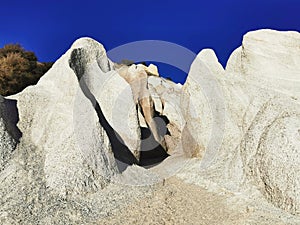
{"points": [[176, 202]]}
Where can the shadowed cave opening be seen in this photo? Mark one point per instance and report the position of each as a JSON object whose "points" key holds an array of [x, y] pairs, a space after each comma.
{"points": [[151, 152], [151, 156]]}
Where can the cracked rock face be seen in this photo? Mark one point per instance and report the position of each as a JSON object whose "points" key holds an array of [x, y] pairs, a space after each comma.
{"points": [[166, 97], [156, 98]]}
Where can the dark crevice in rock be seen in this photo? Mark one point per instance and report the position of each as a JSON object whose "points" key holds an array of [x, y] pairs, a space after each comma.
{"points": [[9, 132], [162, 127], [10, 115], [77, 62], [153, 152]]}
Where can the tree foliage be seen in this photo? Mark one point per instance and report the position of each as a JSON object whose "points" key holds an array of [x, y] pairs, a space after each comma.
{"points": [[18, 69]]}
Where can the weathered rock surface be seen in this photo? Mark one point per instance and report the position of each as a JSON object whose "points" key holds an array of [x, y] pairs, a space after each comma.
{"points": [[110, 90], [57, 118], [200, 101], [64, 152], [136, 76], [67, 143], [152, 70], [269, 58], [79, 116], [166, 97], [251, 124]]}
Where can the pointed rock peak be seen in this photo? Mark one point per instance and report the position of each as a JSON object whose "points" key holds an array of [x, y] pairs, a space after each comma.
{"points": [[85, 50], [208, 54], [210, 59]]}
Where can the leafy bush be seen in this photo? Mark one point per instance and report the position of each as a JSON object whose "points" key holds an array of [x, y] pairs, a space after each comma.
{"points": [[18, 69]]}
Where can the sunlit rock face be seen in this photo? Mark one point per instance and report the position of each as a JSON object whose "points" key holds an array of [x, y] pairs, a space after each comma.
{"points": [[254, 104], [73, 147], [81, 119], [59, 119], [269, 58]]}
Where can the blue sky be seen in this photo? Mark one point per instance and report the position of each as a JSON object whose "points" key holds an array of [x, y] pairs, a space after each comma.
{"points": [[49, 27]]}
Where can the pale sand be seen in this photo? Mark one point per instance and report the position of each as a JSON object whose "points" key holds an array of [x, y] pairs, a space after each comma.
{"points": [[177, 202]]}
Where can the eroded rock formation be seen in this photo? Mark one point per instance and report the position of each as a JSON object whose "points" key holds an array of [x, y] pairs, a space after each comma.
{"points": [[245, 118], [71, 142]]}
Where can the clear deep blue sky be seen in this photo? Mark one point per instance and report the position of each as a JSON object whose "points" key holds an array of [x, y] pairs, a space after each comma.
{"points": [[49, 27]]}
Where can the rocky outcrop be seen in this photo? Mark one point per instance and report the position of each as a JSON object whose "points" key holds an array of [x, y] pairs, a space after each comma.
{"points": [[72, 146], [73, 123], [271, 144], [244, 119], [152, 70], [158, 101], [62, 123], [136, 76], [106, 87]]}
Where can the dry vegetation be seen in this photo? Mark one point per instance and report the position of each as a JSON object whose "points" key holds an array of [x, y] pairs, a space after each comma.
{"points": [[18, 69]]}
